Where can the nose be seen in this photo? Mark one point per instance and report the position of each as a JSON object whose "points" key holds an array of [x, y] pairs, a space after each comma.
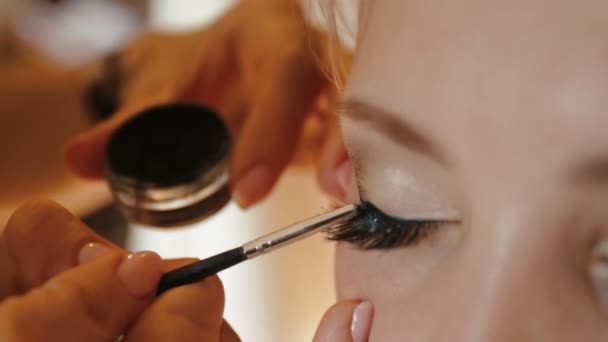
{"points": [[514, 278]]}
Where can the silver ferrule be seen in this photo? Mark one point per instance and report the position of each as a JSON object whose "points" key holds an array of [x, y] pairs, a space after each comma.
{"points": [[296, 232]]}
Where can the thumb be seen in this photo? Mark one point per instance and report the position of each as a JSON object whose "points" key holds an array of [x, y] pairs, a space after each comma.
{"points": [[188, 313], [346, 322], [93, 302], [84, 155]]}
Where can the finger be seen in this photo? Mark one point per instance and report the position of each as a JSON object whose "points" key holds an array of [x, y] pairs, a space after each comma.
{"points": [[208, 79], [188, 313], [272, 130], [213, 79], [42, 239], [332, 159], [346, 322], [153, 69], [234, 108], [93, 302], [227, 334], [53, 238]]}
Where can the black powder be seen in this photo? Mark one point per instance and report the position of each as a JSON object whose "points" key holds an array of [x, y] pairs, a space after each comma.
{"points": [[169, 145]]}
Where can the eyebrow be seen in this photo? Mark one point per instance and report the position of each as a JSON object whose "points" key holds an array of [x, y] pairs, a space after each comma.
{"points": [[391, 126]]}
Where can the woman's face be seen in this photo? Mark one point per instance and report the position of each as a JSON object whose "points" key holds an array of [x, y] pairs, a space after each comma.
{"points": [[493, 114]]}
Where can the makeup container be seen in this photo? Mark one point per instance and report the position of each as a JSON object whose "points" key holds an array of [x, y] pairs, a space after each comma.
{"points": [[168, 165]]}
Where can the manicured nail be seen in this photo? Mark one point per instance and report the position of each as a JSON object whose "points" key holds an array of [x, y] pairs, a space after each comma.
{"points": [[362, 322], [92, 251], [344, 175], [254, 185], [140, 273]]}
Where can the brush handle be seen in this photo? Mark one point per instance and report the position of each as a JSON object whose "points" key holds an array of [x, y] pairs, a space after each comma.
{"points": [[201, 269]]}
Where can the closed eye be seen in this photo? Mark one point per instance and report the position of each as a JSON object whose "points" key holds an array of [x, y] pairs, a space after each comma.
{"points": [[370, 228]]}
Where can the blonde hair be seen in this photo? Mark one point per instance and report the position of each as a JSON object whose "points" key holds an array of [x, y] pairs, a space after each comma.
{"points": [[338, 19]]}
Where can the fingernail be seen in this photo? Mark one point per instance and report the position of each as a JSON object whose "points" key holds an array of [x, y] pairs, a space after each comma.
{"points": [[253, 185], [344, 175], [362, 322], [92, 251], [140, 273]]}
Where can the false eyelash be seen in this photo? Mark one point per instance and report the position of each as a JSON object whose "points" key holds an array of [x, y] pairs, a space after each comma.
{"points": [[370, 228]]}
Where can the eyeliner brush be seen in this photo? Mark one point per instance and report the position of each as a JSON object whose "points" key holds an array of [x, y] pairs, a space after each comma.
{"points": [[201, 269]]}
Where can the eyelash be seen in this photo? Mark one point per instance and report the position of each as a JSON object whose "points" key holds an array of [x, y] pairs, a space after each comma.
{"points": [[370, 228]]}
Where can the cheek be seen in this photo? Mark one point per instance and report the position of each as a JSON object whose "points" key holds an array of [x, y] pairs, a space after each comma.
{"points": [[394, 281], [387, 279], [380, 276], [394, 273], [363, 275]]}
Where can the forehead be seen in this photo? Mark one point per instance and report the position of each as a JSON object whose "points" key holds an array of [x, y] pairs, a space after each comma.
{"points": [[504, 74]]}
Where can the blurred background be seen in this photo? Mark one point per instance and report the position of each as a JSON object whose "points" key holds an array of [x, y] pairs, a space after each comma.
{"points": [[44, 48]]}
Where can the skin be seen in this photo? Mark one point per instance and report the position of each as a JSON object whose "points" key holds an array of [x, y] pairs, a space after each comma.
{"points": [[220, 66], [239, 66], [508, 99], [511, 96], [75, 286]]}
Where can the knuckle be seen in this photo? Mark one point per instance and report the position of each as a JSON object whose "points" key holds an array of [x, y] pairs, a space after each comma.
{"points": [[16, 317], [13, 314], [33, 216], [72, 300], [37, 230], [71, 294], [67, 293], [68, 303]]}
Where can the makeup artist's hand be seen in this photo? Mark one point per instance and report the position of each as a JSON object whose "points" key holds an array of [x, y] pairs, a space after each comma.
{"points": [[346, 321], [261, 66], [61, 282]]}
